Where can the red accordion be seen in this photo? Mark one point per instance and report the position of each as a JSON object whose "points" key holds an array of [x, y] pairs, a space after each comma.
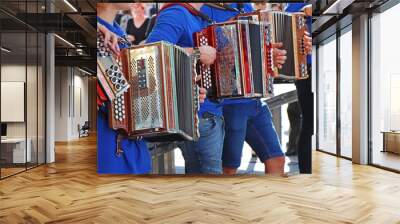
{"points": [[243, 66], [289, 29]]}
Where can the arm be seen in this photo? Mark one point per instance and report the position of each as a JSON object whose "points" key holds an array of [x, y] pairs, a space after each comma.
{"points": [[168, 27]]}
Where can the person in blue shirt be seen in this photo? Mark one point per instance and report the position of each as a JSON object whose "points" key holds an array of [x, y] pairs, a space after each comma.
{"points": [[176, 23], [248, 120], [135, 158], [305, 99]]}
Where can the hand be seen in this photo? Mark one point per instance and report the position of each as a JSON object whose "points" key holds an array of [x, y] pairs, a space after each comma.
{"points": [[207, 55], [307, 40], [110, 39], [308, 10], [202, 94], [131, 38], [202, 91], [279, 55]]}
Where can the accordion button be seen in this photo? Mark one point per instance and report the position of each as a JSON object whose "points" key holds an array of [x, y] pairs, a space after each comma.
{"points": [[116, 106], [123, 106], [110, 73], [122, 97]]}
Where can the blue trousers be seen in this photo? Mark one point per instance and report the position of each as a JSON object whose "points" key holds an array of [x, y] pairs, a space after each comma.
{"points": [[250, 122], [204, 155]]}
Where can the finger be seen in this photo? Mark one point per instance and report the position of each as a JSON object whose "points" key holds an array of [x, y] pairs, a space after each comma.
{"points": [[277, 45], [115, 49], [280, 62], [115, 43], [280, 53], [198, 78], [203, 91], [106, 38], [281, 58]]}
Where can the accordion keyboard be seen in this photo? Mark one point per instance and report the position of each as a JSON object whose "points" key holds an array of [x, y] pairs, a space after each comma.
{"points": [[109, 73]]}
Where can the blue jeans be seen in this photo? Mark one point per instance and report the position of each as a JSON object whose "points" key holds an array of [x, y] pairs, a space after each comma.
{"points": [[204, 156], [250, 122]]}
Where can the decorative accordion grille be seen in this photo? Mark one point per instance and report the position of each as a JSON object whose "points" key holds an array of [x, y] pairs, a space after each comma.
{"points": [[147, 102], [228, 58]]}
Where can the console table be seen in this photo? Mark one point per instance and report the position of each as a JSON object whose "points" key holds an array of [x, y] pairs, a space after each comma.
{"points": [[13, 150], [391, 141]]}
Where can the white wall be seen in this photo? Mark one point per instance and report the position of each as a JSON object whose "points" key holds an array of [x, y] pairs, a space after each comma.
{"points": [[71, 102]]}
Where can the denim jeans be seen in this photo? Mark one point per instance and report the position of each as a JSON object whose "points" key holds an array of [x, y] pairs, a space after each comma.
{"points": [[205, 155], [250, 122]]}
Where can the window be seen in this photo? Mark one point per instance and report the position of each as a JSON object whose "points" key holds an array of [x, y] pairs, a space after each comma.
{"points": [[385, 86], [346, 93], [326, 136], [22, 77]]}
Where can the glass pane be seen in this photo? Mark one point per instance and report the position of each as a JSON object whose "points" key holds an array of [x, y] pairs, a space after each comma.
{"points": [[346, 94], [385, 84], [31, 98], [41, 99], [13, 87], [327, 96]]}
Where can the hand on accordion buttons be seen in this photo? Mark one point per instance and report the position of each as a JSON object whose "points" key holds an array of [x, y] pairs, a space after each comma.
{"points": [[207, 54], [202, 94], [279, 55], [307, 43], [110, 39]]}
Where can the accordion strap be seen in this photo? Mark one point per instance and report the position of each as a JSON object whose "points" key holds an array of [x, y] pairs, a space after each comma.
{"points": [[222, 6], [190, 8]]}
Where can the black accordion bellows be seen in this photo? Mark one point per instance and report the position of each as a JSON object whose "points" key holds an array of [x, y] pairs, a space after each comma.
{"points": [[256, 56], [283, 27]]}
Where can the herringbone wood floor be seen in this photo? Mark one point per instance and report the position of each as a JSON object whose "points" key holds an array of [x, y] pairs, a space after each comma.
{"points": [[70, 191]]}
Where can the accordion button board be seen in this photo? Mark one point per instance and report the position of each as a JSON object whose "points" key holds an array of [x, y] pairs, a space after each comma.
{"points": [[109, 71]]}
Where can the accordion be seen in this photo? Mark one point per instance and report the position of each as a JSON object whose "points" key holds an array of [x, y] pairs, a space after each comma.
{"points": [[161, 103], [109, 74], [289, 29], [243, 62]]}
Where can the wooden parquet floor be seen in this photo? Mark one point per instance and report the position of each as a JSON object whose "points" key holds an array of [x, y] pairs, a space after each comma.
{"points": [[70, 191]]}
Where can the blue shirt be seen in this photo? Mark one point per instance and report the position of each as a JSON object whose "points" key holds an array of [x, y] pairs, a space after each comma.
{"points": [[177, 26], [136, 157], [221, 15], [297, 7]]}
